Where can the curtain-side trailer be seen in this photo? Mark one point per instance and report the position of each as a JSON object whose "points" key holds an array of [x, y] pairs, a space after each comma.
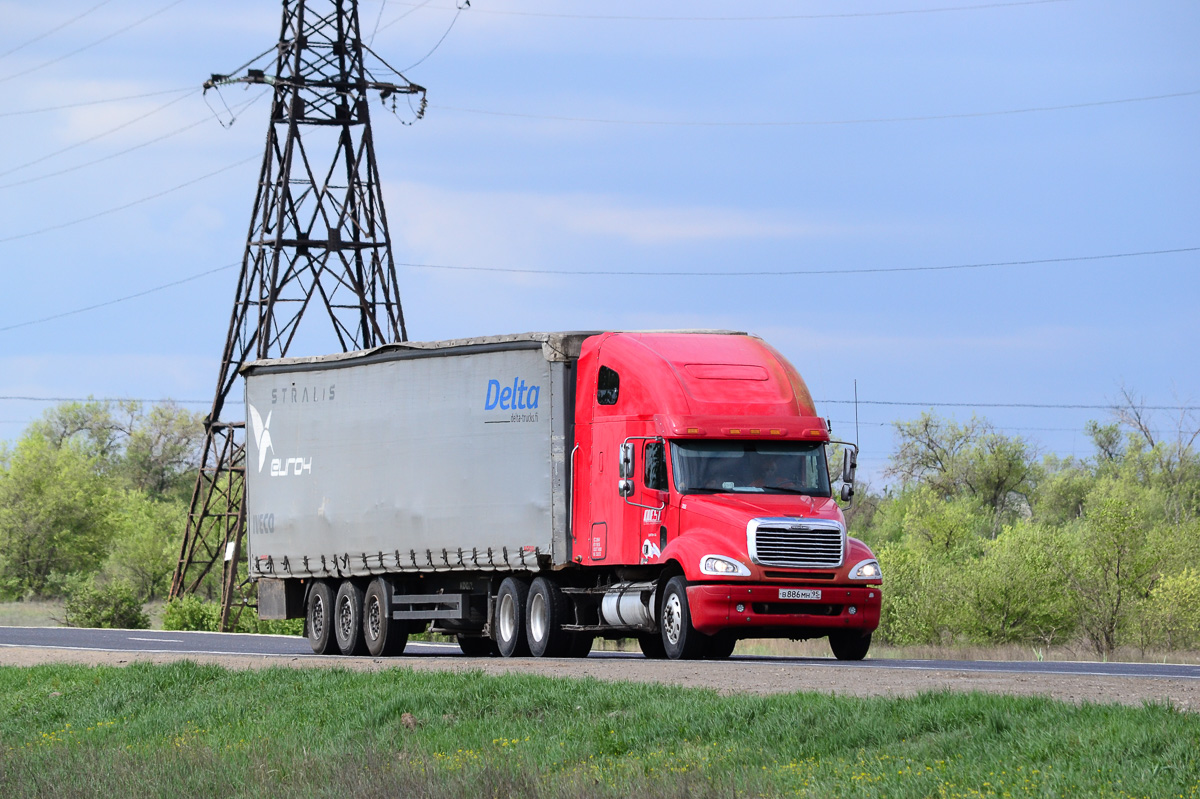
{"points": [[528, 493]]}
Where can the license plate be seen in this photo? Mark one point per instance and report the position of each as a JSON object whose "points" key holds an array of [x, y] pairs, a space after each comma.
{"points": [[799, 593]]}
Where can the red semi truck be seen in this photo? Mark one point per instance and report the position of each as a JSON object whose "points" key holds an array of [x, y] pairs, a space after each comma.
{"points": [[529, 493]]}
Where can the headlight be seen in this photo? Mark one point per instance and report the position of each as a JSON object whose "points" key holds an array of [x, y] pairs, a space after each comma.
{"points": [[866, 570], [721, 566]]}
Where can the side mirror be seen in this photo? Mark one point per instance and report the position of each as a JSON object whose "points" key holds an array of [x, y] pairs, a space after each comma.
{"points": [[625, 467], [625, 487], [849, 465], [847, 492]]}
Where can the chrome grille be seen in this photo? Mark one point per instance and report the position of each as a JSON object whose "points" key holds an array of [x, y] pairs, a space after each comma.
{"points": [[796, 542]]}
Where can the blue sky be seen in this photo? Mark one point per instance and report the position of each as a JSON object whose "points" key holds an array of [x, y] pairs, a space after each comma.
{"points": [[664, 136]]}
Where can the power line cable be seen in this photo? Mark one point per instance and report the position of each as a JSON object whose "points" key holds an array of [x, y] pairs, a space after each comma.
{"points": [[450, 27], [243, 106], [1023, 405], [107, 303], [815, 122], [83, 103], [92, 44], [97, 136], [755, 17], [55, 29], [378, 19], [114, 209], [230, 401], [791, 272]]}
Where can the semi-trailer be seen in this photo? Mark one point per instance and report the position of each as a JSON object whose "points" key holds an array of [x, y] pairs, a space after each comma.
{"points": [[528, 493]]}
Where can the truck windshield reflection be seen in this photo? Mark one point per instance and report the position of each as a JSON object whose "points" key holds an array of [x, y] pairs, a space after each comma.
{"points": [[764, 467]]}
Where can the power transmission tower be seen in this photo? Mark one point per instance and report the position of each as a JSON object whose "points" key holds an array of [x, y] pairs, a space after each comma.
{"points": [[318, 243]]}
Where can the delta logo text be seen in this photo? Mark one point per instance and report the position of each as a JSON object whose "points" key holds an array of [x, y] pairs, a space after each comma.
{"points": [[518, 396], [280, 467]]}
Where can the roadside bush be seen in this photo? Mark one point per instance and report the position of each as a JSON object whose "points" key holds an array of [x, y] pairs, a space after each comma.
{"points": [[1173, 610], [114, 605], [918, 601], [190, 613]]}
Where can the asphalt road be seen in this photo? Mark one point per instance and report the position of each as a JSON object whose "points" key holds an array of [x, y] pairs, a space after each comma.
{"points": [[154, 641]]}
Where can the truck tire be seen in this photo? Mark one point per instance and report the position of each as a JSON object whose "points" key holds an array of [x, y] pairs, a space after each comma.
{"points": [[318, 619], [652, 646], [547, 609], [510, 618], [347, 620], [581, 645], [849, 645], [385, 636], [719, 647], [681, 641], [474, 646]]}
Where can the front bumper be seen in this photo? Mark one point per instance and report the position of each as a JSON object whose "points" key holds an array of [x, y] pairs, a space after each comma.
{"points": [[714, 608]]}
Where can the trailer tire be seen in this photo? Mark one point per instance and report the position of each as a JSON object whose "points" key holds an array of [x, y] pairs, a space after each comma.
{"points": [[477, 647], [546, 611], [318, 618], [652, 646], [347, 621], [849, 645], [385, 636], [510, 618], [681, 640]]}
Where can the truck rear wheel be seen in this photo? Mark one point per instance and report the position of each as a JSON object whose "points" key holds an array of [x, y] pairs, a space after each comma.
{"points": [[347, 621], [477, 646], [318, 620], [849, 645], [547, 611], [385, 636], [681, 640], [652, 646], [719, 647], [510, 618]]}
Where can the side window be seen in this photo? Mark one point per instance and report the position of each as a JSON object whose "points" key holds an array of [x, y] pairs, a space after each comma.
{"points": [[656, 466], [608, 384]]}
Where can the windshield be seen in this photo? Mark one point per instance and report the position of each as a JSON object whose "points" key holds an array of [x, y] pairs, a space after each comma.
{"points": [[764, 467]]}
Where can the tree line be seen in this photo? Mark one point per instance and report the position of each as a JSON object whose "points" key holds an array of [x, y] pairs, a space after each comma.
{"points": [[982, 538]]}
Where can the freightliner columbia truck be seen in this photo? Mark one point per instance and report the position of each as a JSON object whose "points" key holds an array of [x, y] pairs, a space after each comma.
{"points": [[529, 493]]}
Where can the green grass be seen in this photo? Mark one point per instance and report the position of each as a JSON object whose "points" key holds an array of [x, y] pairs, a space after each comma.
{"points": [[187, 730]]}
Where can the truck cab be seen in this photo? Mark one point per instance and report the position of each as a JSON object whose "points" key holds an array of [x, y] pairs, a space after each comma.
{"points": [[700, 469]]}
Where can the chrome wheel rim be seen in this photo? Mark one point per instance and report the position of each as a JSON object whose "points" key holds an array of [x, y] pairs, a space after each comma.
{"points": [[508, 618], [374, 617], [345, 618], [537, 617], [316, 622], [673, 618]]}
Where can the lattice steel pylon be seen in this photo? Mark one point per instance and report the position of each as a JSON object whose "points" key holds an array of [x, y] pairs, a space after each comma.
{"points": [[318, 240]]}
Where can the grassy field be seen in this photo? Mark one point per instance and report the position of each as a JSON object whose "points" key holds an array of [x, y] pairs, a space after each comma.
{"points": [[187, 730]]}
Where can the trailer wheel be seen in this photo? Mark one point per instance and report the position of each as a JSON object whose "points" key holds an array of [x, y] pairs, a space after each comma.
{"points": [[474, 646], [546, 612], [510, 618], [849, 645], [347, 622], [652, 646], [385, 636], [681, 640], [318, 619]]}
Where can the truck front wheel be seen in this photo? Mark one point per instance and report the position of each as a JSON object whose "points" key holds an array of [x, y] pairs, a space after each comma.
{"points": [[849, 645], [510, 618], [681, 640], [319, 618], [347, 620], [385, 636]]}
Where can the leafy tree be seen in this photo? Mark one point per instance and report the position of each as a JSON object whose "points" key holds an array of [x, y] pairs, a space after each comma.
{"points": [[113, 605], [146, 544], [971, 460], [1011, 592], [55, 514]]}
